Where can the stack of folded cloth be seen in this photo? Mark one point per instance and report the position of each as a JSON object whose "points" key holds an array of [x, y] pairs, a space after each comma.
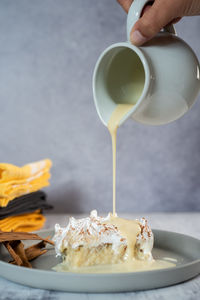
{"points": [[21, 201]]}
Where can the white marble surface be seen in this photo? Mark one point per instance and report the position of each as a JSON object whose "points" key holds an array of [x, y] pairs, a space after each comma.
{"points": [[188, 223]]}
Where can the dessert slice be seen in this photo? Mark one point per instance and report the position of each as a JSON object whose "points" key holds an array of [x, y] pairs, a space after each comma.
{"points": [[98, 241]]}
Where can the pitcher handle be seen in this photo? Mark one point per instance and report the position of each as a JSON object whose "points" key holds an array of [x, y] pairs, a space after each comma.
{"points": [[134, 14]]}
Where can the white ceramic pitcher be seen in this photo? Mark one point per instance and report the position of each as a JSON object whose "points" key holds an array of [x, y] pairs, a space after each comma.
{"points": [[162, 78]]}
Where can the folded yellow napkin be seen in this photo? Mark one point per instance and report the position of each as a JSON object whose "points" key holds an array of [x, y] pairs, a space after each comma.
{"points": [[16, 181], [25, 222]]}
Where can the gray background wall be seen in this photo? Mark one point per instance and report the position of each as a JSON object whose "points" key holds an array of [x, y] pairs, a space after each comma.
{"points": [[48, 50]]}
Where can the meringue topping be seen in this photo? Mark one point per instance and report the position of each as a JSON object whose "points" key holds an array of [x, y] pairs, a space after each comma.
{"points": [[95, 230]]}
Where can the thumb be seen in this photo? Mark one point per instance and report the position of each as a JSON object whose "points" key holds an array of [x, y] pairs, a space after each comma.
{"points": [[153, 20]]}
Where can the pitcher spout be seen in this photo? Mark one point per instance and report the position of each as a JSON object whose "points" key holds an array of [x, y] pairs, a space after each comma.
{"points": [[121, 76]]}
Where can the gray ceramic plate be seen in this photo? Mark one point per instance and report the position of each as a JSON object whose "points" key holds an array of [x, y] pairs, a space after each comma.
{"points": [[167, 244]]}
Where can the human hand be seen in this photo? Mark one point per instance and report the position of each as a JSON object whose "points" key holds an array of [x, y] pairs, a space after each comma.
{"points": [[159, 14]]}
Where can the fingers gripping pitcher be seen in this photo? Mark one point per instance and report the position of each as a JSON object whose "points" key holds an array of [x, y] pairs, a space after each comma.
{"points": [[161, 80]]}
